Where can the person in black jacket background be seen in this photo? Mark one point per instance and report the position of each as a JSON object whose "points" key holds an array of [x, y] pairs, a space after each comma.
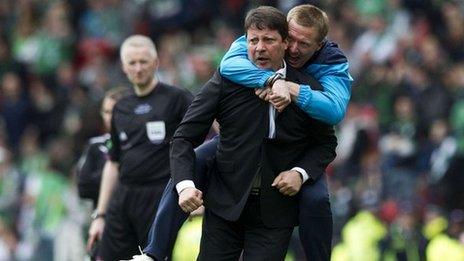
{"points": [[90, 165]]}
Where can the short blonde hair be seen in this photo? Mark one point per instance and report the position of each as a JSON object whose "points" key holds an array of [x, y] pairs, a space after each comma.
{"points": [[138, 40], [310, 16]]}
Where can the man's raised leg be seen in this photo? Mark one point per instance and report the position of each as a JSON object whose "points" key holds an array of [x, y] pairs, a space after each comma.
{"points": [[170, 217]]}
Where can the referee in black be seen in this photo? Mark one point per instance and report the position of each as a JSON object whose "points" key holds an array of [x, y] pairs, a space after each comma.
{"points": [[134, 177]]}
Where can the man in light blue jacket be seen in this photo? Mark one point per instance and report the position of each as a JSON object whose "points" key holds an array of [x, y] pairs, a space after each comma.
{"points": [[310, 51]]}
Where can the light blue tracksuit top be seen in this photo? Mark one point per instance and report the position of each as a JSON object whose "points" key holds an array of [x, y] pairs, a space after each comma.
{"points": [[328, 66]]}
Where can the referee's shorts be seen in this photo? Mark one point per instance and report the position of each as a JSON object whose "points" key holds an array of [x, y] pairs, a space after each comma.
{"points": [[128, 219]]}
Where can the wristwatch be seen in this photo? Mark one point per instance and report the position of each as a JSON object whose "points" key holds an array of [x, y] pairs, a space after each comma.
{"points": [[96, 215], [271, 80]]}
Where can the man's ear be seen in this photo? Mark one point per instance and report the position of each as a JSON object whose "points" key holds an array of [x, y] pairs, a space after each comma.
{"points": [[123, 67], [156, 61], [285, 41]]}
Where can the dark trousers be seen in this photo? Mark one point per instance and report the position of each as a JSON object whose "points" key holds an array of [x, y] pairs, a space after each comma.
{"points": [[315, 219], [170, 217], [315, 216], [224, 240]]}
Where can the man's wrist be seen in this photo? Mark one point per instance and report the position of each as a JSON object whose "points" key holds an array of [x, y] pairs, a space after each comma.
{"points": [[271, 80], [97, 215], [280, 79], [294, 90], [303, 174], [183, 185]]}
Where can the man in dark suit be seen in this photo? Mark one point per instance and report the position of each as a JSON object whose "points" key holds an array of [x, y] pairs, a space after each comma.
{"points": [[260, 156], [324, 99]]}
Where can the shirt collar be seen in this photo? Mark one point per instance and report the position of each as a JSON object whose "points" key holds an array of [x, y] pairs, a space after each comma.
{"points": [[283, 70]]}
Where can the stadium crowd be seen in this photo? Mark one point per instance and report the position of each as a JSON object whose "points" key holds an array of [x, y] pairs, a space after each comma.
{"points": [[396, 184]]}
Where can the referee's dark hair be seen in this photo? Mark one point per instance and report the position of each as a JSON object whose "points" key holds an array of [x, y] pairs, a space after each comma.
{"points": [[267, 17]]}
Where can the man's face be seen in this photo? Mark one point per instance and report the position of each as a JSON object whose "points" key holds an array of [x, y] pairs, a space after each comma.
{"points": [[302, 44], [266, 48], [139, 65], [107, 111]]}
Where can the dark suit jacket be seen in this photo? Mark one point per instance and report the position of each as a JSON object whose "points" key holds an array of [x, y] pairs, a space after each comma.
{"points": [[244, 148]]}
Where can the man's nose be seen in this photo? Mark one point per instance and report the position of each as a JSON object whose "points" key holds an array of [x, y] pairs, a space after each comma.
{"points": [[138, 67], [260, 46], [293, 47]]}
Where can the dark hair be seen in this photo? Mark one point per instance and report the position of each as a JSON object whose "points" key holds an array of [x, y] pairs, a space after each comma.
{"points": [[267, 17]]}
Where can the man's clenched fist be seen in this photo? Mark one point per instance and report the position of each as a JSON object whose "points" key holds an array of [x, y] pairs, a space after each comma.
{"points": [[190, 199], [288, 182]]}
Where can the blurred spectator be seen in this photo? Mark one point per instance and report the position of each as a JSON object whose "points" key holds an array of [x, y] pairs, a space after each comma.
{"points": [[404, 241], [47, 109], [447, 245], [374, 46], [103, 20], [452, 31], [47, 202], [341, 199], [24, 46], [32, 157], [14, 107], [434, 222], [360, 238], [398, 148], [451, 184], [8, 241], [53, 40], [96, 67], [200, 63], [6, 19], [11, 182], [7, 62], [43, 47], [233, 12], [166, 16], [437, 151], [188, 241], [432, 100], [444, 247], [358, 134], [65, 80], [90, 165]]}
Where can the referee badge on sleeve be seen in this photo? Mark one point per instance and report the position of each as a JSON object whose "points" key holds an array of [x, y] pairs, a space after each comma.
{"points": [[156, 131]]}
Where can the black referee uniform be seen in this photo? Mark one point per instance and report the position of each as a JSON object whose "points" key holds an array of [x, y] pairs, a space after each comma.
{"points": [[141, 130]]}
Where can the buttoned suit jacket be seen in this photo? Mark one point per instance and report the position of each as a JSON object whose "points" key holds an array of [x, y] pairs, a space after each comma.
{"points": [[244, 149]]}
